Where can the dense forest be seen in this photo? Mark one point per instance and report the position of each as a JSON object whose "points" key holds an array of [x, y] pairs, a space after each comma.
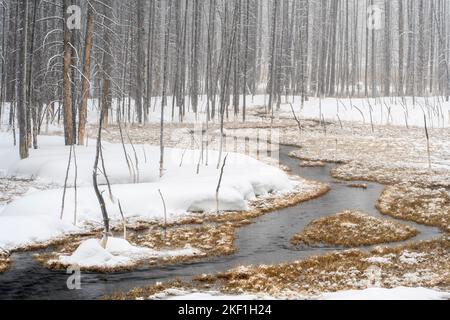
{"points": [[225, 150], [195, 55]]}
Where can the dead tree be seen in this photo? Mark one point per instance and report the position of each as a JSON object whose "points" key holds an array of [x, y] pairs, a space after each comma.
{"points": [[67, 79], [22, 107], [98, 193], [86, 72]]}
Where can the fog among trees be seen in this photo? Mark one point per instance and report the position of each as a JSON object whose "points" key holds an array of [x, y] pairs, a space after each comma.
{"points": [[204, 55]]}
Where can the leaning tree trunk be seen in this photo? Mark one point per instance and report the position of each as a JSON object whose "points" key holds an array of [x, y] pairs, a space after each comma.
{"points": [[98, 193]]}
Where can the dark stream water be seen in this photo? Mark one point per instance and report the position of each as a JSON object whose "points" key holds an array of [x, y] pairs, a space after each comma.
{"points": [[266, 241]]}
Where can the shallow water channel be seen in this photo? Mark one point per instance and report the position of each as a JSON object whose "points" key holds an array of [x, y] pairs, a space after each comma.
{"points": [[265, 241]]}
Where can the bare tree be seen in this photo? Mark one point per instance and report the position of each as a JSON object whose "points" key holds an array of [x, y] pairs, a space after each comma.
{"points": [[86, 76]]}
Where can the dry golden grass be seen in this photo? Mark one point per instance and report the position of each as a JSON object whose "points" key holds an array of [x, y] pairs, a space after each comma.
{"points": [[389, 155], [353, 229], [422, 205], [354, 171], [5, 262], [424, 264], [213, 240], [347, 270]]}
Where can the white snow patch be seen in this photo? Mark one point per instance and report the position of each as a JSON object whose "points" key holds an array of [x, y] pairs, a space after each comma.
{"points": [[19, 231], [400, 293], [177, 294], [118, 253], [349, 225], [381, 260], [411, 257]]}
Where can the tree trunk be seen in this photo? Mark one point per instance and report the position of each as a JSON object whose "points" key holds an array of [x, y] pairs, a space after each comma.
{"points": [[22, 106], [67, 95], [86, 75]]}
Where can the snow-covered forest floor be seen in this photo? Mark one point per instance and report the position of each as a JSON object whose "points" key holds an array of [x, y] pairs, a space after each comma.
{"points": [[390, 150]]}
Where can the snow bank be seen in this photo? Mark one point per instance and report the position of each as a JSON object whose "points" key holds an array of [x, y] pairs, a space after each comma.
{"points": [[49, 164], [144, 200], [118, 253], [400, 293], [18, 231], [183, 189]]}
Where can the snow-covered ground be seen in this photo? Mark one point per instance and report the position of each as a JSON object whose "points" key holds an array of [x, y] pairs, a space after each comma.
{"points": [[381, 111], [183, 188], [400, 293]]}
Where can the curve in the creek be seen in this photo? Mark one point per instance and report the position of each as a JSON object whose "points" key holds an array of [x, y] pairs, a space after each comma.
{"points": [[265, 241]]}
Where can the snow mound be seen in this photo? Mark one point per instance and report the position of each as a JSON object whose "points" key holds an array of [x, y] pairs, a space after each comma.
{"points": [[118, 253], [400, 293]]}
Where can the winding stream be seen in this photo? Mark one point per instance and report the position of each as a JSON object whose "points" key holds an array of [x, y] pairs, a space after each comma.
{"points": [[265, 241]]}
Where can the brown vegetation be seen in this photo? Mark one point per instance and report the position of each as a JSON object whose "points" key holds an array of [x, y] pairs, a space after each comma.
{"points": [[5, 262], [422, 264], [422, 205], [352, 229]]}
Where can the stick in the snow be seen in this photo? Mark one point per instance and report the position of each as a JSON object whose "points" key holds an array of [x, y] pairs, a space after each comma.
{"points": [[136, 159], [220, 182], [296, 118], [65, 182], [75, 186], [125, 150], [124, 221], [428, 141], [103, 171], [165, 213]]}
